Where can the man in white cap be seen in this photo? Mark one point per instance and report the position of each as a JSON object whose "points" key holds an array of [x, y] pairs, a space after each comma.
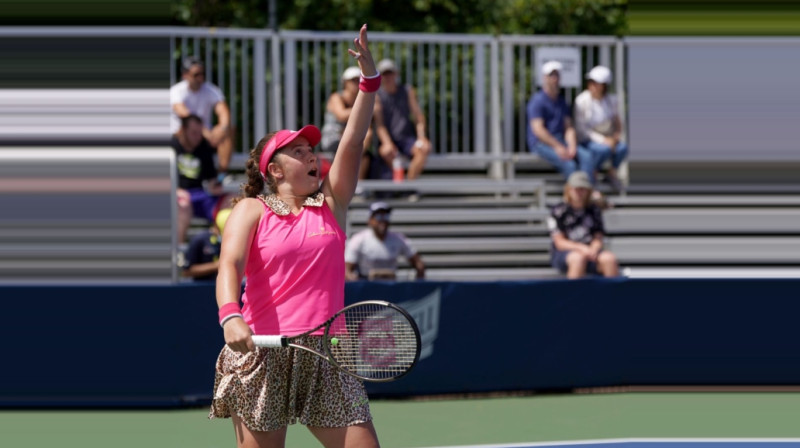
{"points": [[399, 124], [598, 123], [550, 131], [194, 95], [372, 253]]}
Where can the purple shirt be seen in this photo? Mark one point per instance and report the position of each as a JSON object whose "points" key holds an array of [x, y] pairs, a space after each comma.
{"points": [[553, 111]]}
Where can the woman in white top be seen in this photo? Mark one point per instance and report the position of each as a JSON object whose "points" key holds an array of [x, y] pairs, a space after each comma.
{"points": [[598, 123]]}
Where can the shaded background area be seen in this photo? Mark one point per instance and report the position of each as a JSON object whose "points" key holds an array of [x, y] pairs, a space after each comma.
{"points": [[84, 62]]}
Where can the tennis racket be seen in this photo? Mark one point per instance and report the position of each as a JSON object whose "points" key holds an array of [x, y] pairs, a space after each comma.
{"points": [[371, 340]]}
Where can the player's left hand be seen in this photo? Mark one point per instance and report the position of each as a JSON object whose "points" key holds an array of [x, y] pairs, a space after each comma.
{"points": [[362, 54]]}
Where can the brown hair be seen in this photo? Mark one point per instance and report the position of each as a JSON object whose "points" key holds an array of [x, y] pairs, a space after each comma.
{"points": [[255, 183]]}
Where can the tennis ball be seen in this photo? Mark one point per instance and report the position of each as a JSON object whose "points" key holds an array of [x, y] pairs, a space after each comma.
{"points": [[222, 218], [334, 341]]}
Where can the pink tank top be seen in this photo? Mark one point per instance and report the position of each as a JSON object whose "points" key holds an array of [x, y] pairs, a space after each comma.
{"points": [[295, 272]]}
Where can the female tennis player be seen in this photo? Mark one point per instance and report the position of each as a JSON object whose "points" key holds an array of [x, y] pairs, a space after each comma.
{"points": [[289, 244]]}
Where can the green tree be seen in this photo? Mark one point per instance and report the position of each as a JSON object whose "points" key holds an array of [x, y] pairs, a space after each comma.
{"points": [[590, 17]]}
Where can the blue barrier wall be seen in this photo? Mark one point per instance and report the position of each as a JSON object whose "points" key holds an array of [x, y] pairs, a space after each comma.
{"points": [[156, 345]]}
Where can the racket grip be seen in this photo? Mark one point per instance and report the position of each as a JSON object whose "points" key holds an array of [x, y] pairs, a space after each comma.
{"points": [[268, 341]]}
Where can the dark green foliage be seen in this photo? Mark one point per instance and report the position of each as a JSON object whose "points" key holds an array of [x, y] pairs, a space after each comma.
{"points": [[591, 17]]}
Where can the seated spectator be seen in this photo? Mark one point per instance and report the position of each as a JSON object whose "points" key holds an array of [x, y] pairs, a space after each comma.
{"points": [[201, 260], [372, 253], [336, 115], [598, 123], [199, 191], [194, 96], [550, 131], [577, 232], [399, 125]]}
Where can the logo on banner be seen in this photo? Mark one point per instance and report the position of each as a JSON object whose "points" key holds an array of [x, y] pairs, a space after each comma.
{"points": [[425, 312], [570, 59]]}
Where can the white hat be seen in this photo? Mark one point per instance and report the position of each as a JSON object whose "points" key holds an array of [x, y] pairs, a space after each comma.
{"points": [[387, 65], [579, 179], [599, 74], [552, 66], [351, 73], [379, 206]]}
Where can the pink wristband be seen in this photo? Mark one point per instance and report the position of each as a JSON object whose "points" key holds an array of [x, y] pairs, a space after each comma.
{"points": [[227, 310], [370, 85]]}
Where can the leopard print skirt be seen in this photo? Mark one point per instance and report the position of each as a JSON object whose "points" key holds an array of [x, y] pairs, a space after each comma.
{"points": [[274, 387]]}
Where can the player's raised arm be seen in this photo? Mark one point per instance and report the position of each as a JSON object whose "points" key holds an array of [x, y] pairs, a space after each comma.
{"points": [[340, 184]]}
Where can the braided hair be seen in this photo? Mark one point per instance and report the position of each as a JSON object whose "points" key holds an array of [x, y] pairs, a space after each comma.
{"points": [[255, 182]]}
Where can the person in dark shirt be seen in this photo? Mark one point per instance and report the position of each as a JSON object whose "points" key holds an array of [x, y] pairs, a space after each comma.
{"points": [[577, 232], [199, 191], [201, 260], [399, 125]]}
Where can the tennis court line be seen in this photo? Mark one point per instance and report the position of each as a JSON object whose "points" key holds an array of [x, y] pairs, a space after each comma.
{"points": [[630, 440]]}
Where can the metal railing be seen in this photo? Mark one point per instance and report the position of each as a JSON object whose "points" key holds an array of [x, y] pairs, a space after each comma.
{"points": [[472, 87], [242, 64], [519, 76], [449, 73]]}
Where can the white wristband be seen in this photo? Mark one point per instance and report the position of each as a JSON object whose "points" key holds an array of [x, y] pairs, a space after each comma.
{"points": [[370, 77], [227, 318]]}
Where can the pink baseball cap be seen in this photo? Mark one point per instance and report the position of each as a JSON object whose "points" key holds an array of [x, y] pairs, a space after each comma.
{"points": [[283, 138]]}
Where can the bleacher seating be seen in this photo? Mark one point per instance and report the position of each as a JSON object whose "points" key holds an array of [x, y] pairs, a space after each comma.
{"points": [[460, 187], [86, 214], [724, 231], [468, 226], [125, 117], [86, 185]]}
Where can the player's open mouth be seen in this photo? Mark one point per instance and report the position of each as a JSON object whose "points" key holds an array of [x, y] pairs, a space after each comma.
{"points": [[313, 173]]}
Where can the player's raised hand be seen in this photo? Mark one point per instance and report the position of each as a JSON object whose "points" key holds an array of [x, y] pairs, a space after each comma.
{"points": [[361, 53]]}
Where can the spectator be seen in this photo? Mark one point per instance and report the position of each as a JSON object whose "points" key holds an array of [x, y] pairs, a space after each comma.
{"points": [[372, 253], [340, 104], [201, 261], [199, 191], [195, 96], [598, 123], [550, 131], [577, 232], [399, 125]]}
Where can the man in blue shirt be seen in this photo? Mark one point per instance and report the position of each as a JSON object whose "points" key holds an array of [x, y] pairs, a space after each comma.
{"points": [[550, 131]]}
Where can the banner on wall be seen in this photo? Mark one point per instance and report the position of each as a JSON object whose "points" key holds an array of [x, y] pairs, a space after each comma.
{"points": [[477, 337], [425, 312], [570, 59]]}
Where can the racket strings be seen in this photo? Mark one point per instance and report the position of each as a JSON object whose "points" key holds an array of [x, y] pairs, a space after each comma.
{"points": [[374, 341]]}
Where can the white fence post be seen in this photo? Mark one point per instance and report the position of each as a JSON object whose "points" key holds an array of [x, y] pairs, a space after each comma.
{"points": [[496, 168], [480, 99], [290, 83], [275, 101], [259, 90]]}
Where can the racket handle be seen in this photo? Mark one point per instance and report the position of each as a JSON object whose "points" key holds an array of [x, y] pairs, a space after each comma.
{"points": [[269, 341]]}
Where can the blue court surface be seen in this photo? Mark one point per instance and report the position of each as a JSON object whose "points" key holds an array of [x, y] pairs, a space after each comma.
{"points": [[652, 443]]}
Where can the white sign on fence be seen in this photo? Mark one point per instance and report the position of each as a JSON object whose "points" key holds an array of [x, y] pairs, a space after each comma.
{"points": [[569, 57]]}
